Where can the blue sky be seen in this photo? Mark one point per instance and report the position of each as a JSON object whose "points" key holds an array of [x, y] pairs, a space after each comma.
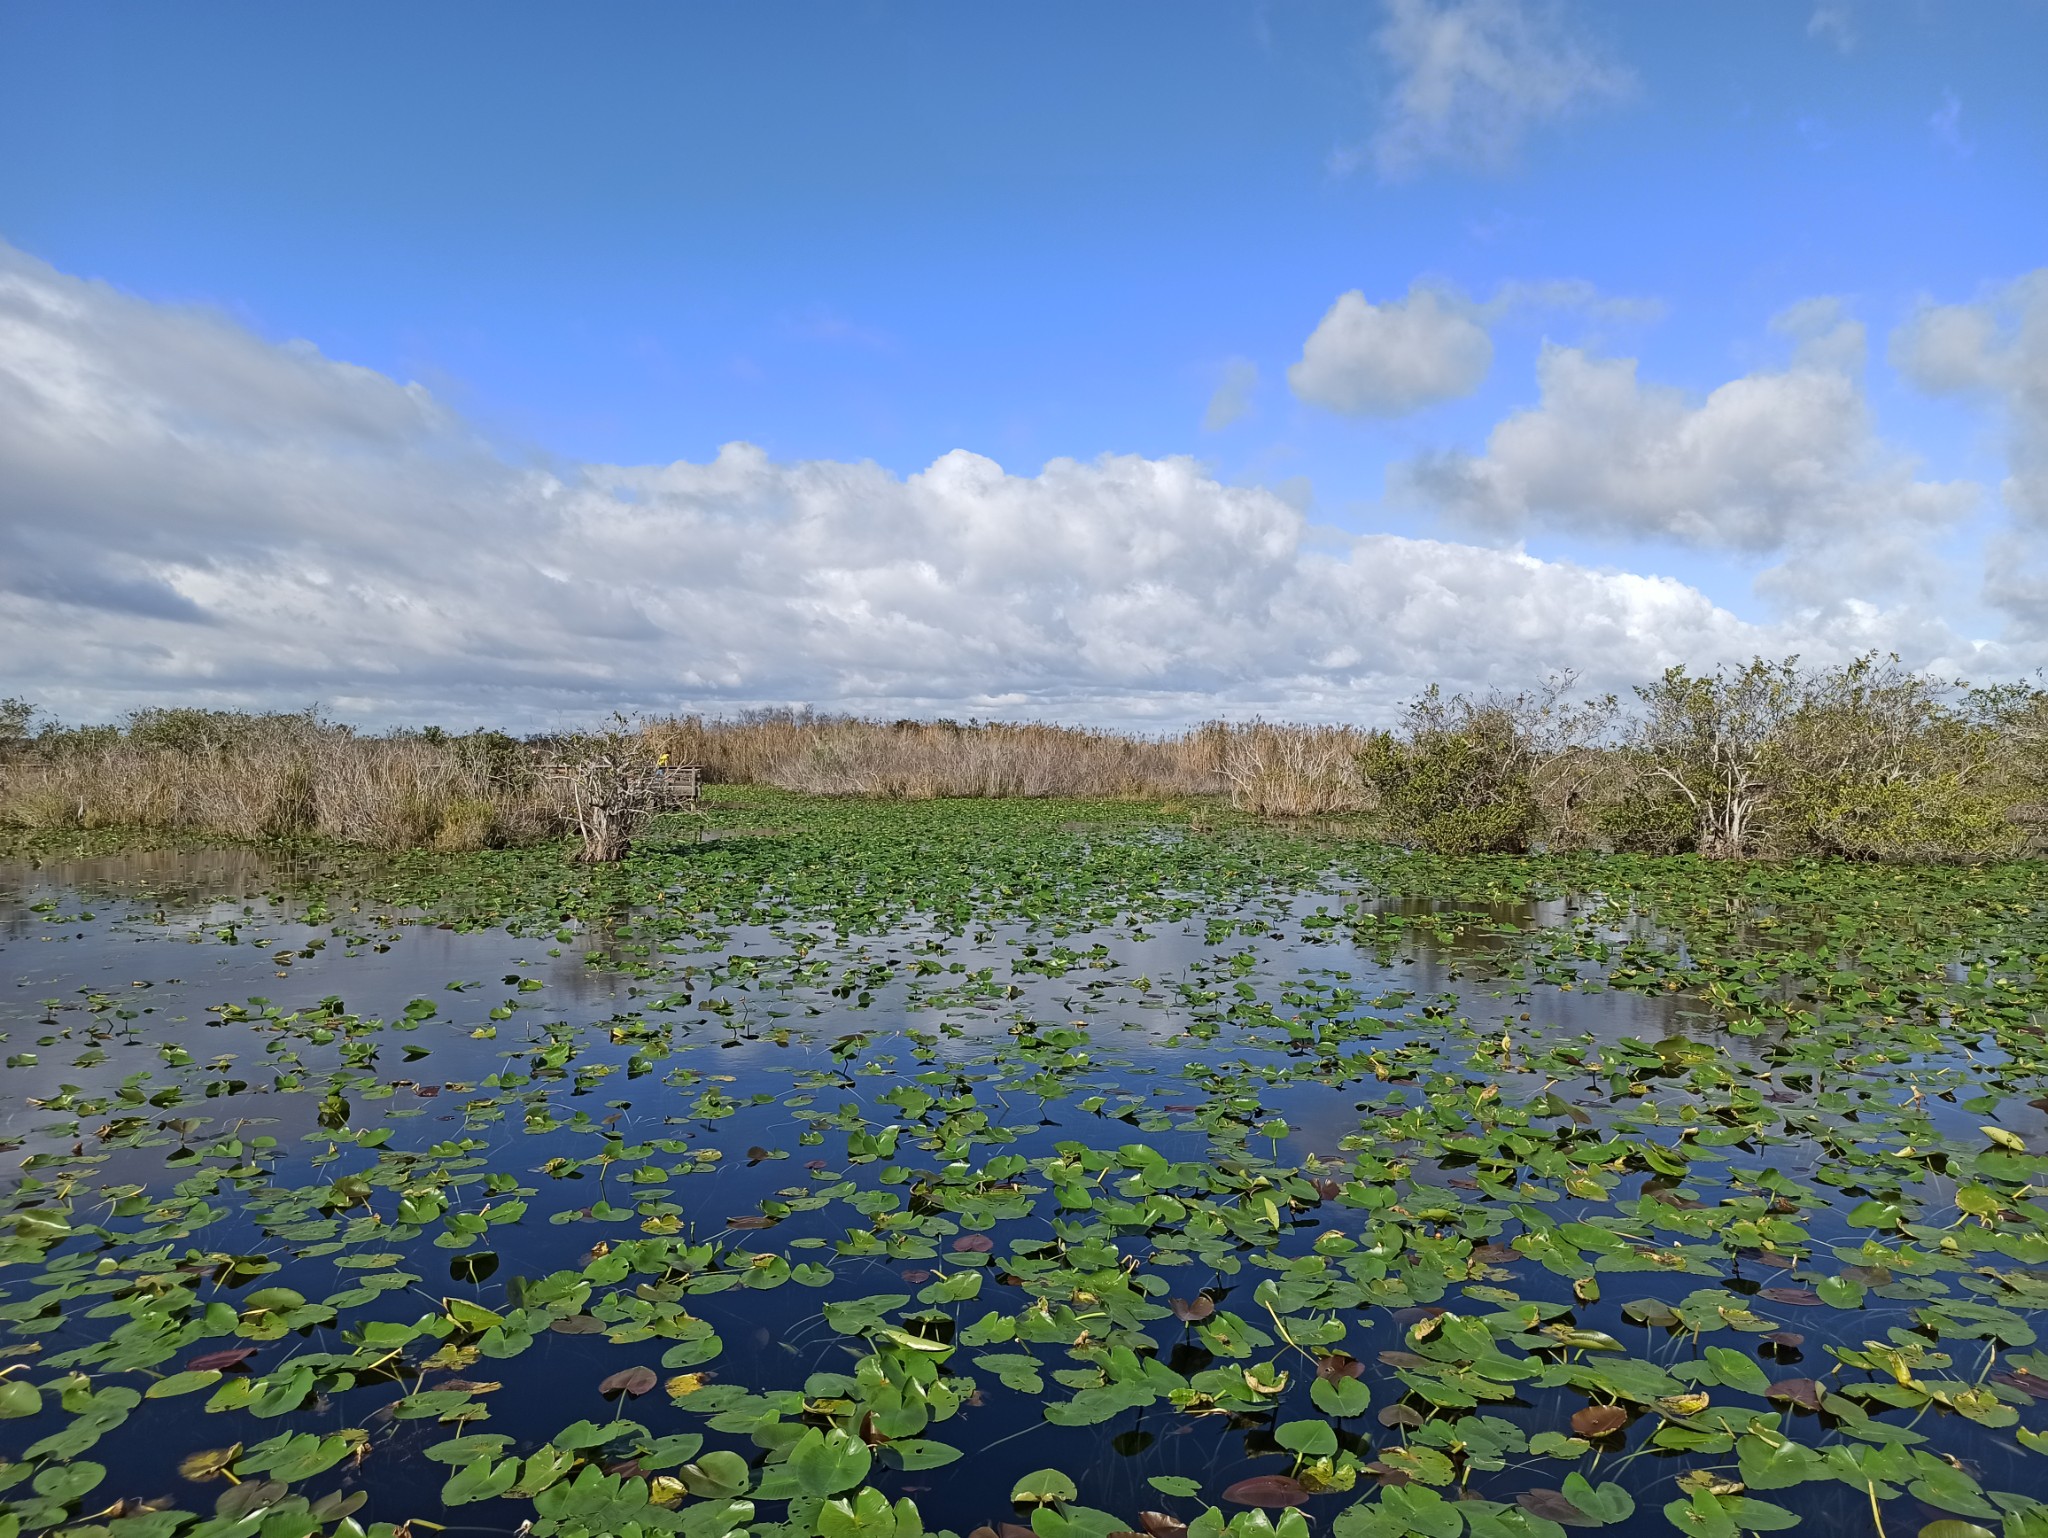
{"points": [[629, 235]]}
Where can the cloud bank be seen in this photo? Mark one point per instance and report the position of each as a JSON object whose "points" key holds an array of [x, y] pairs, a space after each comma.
{"points": [[189, 512]]}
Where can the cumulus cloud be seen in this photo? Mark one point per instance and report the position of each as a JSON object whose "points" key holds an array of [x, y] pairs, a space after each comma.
{"points": [[1995, 349], [1472, 77], [1366, 359], [1233, 395], [191, 513], [1773, 463]]}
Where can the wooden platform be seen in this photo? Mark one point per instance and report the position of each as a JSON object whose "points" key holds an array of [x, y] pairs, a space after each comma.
{"points": [[677, 785]]}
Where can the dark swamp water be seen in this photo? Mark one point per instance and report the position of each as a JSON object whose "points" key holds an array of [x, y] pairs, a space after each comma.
{"points": [[910, 1176]]}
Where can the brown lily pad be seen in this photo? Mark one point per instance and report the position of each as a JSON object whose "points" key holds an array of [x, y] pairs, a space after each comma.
{"points": [[1267, 1490], [1190, 1310], [630, 1381], [1796, 1297], [1552, 1506], [1599, 1420], [1803, 1392], [974, 1244], [220, 1361]]}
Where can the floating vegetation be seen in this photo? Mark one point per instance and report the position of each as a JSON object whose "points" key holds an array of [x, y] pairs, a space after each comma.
{"points": [[859, 1171]]}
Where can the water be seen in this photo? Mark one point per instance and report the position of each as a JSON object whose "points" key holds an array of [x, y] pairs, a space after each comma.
{"points": [[162, 1015]]}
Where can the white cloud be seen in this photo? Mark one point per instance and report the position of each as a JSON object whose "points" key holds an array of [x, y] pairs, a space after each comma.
{"points": [[190, 513], [1472, 77], [1365, 359], [1996, 349], [1773, 463], [1233, 395]]}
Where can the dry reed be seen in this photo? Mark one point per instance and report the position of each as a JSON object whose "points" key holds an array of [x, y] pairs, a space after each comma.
{"points": [[1263, 767], [277, 776], [259, 777]]}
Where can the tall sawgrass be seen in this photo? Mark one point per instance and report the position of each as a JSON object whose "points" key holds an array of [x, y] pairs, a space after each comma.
{"points": [[1262, 767], [247, 776], [264, 776], [1863, 760]]}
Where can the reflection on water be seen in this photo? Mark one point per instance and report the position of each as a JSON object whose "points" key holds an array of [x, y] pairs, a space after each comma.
{"points": [[185, 967]]}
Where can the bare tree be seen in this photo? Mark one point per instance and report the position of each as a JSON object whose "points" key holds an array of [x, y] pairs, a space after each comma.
{"points": [[1711, 738], [613, 782]]}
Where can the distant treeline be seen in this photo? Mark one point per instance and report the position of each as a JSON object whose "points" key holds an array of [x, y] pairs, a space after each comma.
{"points": [[1866, 760]]}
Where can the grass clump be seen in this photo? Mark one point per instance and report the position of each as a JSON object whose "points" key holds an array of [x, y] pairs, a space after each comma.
{"points": [[278, 776]]}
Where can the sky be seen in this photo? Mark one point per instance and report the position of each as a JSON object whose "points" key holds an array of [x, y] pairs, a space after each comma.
{"points": [[1135, 365]]}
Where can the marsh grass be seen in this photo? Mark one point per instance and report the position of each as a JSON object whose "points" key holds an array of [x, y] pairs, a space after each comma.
{"points": [[1863, 760], [248, 776], [925, 760], [1261, 766], [280, 776]]}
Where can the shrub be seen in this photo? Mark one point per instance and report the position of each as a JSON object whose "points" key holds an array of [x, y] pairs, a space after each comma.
{"points": [[1875, 762], [1489, 776]]}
